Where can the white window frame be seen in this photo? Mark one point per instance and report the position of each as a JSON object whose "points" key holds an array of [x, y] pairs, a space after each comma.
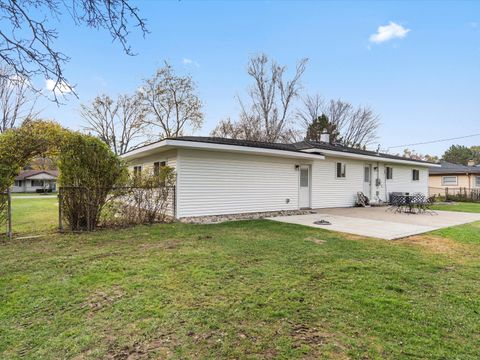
{"points": [[451, 184], [477, 181], [413, 174], [344, 168], [386, 172]]}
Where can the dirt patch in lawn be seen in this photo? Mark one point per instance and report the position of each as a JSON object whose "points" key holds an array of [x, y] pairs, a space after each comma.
{"points": [[319, 342], [169, 244], [100, 299], [316, 240], [435, 244], [159, 348]]}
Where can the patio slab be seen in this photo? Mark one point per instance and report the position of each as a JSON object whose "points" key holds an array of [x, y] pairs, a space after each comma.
{"points": [[379, 223]]}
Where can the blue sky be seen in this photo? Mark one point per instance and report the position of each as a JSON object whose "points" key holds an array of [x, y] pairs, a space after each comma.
{"points": [[425, 86]]}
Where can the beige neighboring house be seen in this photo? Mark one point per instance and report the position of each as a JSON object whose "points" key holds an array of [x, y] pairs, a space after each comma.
{"points": [[453, 176], [31, 181]]}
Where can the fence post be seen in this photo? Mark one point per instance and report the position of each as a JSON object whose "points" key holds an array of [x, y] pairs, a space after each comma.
{"points": [[60, 210], [9, 210]]}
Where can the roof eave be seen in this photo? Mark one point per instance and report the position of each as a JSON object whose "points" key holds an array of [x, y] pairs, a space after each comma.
{"points": [[343, 154], [185, 144]]}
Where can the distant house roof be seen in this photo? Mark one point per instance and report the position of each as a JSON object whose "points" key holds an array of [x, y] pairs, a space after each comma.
{"points": [[25, 174], [299, 147], [449, 168]]}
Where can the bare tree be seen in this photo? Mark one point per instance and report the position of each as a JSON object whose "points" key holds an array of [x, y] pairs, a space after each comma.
{"points": [[27, 36], [173, 104], [16, 100], [313, 108], [266, 114], [119, 123], [357, 126]]}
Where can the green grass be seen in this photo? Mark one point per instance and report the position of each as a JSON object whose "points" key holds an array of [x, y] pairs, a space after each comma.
{"points": [[34, 216], [20, 195], [463, 207], [249, 289]]}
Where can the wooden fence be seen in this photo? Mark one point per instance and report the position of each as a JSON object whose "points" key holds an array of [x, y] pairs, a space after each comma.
{"points": [[455, 194]]}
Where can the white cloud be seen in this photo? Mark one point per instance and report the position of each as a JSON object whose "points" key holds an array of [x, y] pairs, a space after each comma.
{"points": [[389, 32], [186, 61], [61, 88], [473, 24]]}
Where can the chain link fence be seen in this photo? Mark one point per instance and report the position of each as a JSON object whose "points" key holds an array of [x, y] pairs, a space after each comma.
{"points": [[6, 214]]}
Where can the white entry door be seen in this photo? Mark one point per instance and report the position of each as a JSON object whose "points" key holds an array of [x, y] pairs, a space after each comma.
{"points": [[304, 191], [367, 180]]}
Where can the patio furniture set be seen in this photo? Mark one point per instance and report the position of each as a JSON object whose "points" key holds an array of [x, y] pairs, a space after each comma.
{"points": [[411, 203]]}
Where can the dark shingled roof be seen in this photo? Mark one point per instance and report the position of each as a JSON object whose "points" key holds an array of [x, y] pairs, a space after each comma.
{"points": [[25, 174], [449, 168], [293, 147]]}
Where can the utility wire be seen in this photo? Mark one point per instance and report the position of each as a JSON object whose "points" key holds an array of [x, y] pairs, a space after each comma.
{"points": [[434, 141]]}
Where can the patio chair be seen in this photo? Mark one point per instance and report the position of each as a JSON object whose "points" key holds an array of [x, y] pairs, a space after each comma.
{"points": [[362, 200], [397, 202]]}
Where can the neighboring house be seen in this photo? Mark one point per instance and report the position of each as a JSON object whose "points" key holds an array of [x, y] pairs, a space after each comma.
{"points": [[218, 176], [32, 180], [450, 175]]}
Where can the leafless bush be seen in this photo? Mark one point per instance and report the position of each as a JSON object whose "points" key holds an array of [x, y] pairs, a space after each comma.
{"points": [[140, 205]]}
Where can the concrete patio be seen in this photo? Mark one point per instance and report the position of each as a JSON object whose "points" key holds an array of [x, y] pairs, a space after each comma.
{"points": [[379, 223]]}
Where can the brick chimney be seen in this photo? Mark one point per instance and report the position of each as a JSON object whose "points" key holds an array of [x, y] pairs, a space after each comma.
{"points": [[471, 163]]}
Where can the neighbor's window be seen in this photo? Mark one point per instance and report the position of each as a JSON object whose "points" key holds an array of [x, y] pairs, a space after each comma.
{"points": [[341, 170], [18, 182], [415, 174], [389, 172], [449, 181], [477, 181], [137, 170], [37, 183]]}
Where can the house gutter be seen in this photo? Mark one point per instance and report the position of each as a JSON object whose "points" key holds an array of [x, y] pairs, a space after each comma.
{"points": [[342, 154], [171, 144]]}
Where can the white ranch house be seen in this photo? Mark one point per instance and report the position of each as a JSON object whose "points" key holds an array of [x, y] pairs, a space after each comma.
{"points": [[30, 181], [217, 176]]}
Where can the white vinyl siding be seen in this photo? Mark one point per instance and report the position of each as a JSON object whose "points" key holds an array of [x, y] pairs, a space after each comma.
{"points": [[449, 180], [214, 183], [403, 180], [327, 191]]}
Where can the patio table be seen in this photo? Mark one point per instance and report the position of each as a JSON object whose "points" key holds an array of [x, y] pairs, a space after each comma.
{"points": [[409, 203]]}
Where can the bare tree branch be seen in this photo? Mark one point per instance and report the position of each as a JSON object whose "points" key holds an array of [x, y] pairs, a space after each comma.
{"points": [[120, 123], [27, 38], [357, 126], [266, 115], [17, 102], [172, 103]]}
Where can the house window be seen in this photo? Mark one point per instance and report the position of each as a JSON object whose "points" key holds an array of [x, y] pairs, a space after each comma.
{"points": [[157, 166], [449, 181], [415, 175], [37, 183], [18, 182], [389, 173], [341, 170], [137, 171], [477, 181]]}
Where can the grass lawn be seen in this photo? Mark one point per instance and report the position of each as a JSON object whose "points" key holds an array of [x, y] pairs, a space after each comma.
{"points": [[463, 207], [247, 289], [33, 216]]}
